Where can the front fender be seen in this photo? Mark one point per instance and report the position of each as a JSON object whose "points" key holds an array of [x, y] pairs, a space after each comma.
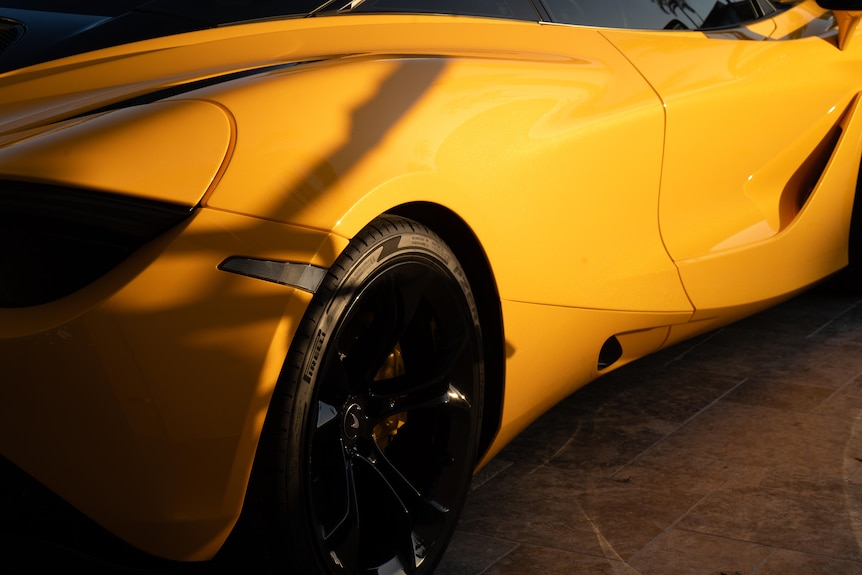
{"points": [[168, 151]]}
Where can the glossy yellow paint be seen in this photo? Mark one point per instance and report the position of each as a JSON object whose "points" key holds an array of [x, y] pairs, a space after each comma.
{"points": [[811, 246], [417, 129], [354, 136], [848, 26], [728, 202], [142, 162], [142, 397], [806, 20], [552, 367], [620, 183]]}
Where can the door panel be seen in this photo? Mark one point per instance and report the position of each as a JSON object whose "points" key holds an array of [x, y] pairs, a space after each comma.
{"points": [[750, 125]]}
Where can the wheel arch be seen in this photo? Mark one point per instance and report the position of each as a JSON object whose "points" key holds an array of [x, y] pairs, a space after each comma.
{"points": [[460, 238]]}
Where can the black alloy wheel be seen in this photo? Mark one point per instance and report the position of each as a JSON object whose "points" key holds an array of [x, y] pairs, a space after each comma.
{"points": [[383, 406]]}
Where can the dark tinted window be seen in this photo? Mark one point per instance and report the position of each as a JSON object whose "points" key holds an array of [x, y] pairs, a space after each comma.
{"points": [[655, 14], [512, 9]]}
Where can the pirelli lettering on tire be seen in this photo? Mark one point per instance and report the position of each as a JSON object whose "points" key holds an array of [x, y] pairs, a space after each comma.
{"points": [[314, 356]]}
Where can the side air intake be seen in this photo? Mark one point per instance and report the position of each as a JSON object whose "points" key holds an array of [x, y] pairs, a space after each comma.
{"points": [[610, 353]]}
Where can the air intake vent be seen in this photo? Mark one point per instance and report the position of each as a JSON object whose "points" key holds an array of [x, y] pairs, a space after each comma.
{"points": [[10, 31], [610, 353]]}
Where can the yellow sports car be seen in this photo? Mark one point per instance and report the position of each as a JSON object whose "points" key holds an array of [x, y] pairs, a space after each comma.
{"points": [[316, 262]]}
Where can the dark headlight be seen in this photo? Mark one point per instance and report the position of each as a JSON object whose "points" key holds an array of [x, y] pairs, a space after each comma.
{"points": [[55, 240]]}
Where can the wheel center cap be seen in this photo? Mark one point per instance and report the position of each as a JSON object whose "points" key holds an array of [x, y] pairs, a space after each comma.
{"points": [[353, 421]]}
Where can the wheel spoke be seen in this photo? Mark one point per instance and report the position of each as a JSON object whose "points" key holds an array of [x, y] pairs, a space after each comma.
{"points": [[337, 383], [448, 397], [383, 315], [415, 510], [409, 495], [332, 488], [367, 340], [424, 348], [343, 540], [419, 380]]}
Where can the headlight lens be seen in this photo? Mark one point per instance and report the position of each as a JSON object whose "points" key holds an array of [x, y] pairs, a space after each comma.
{"points": [[56, 240]]}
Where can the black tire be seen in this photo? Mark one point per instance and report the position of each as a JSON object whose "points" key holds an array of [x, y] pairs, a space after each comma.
{"points": [[381, 408]]}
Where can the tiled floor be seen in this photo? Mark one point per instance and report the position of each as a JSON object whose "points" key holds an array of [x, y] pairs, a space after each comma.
{"points": [[737, 453]]}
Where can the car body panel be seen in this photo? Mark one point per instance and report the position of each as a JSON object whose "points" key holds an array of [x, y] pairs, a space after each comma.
{"points": [[167, 441], [74, 153], [570, 153], [417, 127], [552, 103], [738, 212], [809, 248], [536, 353]]}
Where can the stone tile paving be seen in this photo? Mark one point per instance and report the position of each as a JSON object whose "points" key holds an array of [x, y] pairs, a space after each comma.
{"points": [[737, 453]]}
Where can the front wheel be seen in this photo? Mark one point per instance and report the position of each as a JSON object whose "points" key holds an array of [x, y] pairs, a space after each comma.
{"points": [[381, 407]]}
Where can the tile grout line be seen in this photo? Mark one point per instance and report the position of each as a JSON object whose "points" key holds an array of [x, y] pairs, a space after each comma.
{"points": [[700, 500]]}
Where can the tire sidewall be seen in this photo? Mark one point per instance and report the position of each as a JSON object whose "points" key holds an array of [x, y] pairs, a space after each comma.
{"points": [[381, 246]]}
